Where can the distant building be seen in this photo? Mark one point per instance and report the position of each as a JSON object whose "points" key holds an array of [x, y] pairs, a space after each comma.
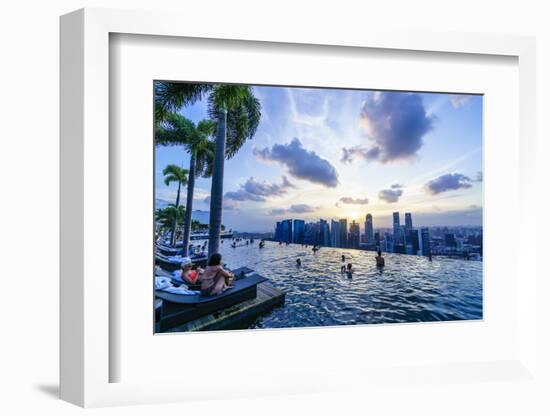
{"points": [[335, 234], [408, 221], [369, 230], [312, 233], [324, 233], [377, 240], [278, 231], [298, 233], [343, 233], [415, 241], [388, 241], [426, 242], [450, 240], [286, 231], [396, 223], [354, 235]]}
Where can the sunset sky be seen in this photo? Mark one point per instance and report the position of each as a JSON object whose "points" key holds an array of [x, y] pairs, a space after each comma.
{"points": [[331, 153]]}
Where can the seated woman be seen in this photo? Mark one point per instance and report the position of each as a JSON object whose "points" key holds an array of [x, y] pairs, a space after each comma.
{"points": [[215, 279], [188, 275], [380, 260]]}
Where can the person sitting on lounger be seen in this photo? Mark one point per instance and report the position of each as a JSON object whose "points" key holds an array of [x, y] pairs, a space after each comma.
{"points": [[215, 279], [380, 260], [188, 275]]}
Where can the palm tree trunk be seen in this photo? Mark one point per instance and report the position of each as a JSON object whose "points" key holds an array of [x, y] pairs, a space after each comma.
{"points": [[216, 192], [189, 206], [175, 222]]}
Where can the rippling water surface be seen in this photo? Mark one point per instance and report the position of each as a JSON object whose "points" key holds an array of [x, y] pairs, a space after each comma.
{"points": [[407, 289]]}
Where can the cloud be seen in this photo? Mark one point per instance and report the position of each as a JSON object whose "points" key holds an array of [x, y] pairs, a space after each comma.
{"points": [[228, 204], [395, 123], [300, 162], [253, 190], [356, 201], [396, 186], [459, 100], [448, 182], [391, 195], [294, 209], [479, 177], [361, 152]]}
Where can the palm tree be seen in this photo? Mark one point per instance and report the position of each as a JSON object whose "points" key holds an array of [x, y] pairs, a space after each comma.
{"points": [[173, 173], [237, 113], [177, 130], [166, 216]]}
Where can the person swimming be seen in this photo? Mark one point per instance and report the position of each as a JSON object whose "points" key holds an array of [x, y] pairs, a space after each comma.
{"points": [[343, 258], [380, 262], [298, 262]]}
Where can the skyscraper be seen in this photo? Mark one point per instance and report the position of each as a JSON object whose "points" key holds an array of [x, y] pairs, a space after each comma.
{"points": [[408, 221], [286, 231], [278, 231], [426, 246], [343, 233], [298, 232], [354, 235], [324, 233], [396, 223], [369, 230], [335, 234]]}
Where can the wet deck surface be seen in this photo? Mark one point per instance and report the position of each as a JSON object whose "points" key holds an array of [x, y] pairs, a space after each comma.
{"points": [[233, 317]]}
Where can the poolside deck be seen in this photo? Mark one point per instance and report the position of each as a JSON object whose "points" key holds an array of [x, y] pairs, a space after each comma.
{"points": [[267, 298]]}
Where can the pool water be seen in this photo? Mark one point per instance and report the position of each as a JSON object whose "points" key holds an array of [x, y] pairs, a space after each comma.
{"points": [[407, 289]]}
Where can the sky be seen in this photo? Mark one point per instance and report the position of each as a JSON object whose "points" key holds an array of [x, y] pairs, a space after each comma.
{"points": [[334, 153]]}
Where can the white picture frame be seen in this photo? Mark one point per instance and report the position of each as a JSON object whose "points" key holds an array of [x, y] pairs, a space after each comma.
{"points": [[86, 355]]}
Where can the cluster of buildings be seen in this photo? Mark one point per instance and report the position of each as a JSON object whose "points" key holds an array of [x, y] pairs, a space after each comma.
{"points": [[463, 242]]}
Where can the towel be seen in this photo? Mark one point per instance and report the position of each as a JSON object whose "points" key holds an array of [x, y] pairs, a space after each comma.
{"points": [[182, 290], [162, 282]]}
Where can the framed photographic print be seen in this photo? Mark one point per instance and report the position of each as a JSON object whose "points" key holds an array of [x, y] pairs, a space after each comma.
{"points": [[285, 197]]}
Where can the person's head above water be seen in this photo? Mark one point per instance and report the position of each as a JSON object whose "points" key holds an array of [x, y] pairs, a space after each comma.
{"points": [[349, 266], [379, 253], [215, 259]]}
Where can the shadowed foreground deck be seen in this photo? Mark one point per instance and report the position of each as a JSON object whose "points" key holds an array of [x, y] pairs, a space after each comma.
{"points": [[234, 316]]}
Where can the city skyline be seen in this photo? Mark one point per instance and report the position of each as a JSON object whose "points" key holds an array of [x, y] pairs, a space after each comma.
{"points": [[402, 238], [330, 153]]}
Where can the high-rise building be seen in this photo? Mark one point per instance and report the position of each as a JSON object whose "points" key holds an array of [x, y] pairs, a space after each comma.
{"points": [[415, 241], [311, 233], [354, 235], [369, 230], [377, 240], [426, 243], [408, 221], [335, 234], [450, 240], [324, 233], [286, 231], [298, 233], [278, 231], [396, 223], [343, 233]]}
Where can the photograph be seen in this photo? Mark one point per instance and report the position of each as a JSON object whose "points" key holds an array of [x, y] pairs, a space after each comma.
{"points": [[299, 207]]}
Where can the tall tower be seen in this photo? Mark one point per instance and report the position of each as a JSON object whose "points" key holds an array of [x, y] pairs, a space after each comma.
{"points": [[396, 223], [343, 233], [408, 221], [335, 234], [369, 230]]}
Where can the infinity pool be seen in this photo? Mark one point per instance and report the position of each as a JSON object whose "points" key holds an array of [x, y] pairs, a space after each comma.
{"points": [[407, 289]]}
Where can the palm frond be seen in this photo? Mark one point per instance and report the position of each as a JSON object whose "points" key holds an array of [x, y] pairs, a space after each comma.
{"points": [[172, 96]]}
